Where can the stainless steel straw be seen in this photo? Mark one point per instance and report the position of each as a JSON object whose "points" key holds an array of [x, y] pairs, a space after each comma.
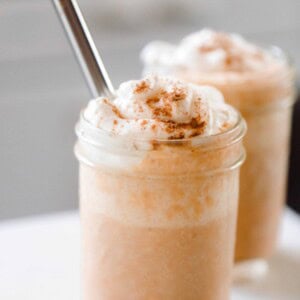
{"points": [[84, 48]]}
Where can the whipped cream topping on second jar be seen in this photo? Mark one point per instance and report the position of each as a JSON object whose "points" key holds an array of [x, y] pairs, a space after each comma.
{"points": [[208, 51], [161, 108]]}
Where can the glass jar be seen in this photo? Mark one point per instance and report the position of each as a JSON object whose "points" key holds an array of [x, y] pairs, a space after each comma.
{"points": [[265, 99], [158, 217]]}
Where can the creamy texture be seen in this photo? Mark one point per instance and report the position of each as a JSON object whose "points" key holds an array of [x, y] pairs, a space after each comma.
{"points": [[162, 108], [208, 51], [260, 84]]}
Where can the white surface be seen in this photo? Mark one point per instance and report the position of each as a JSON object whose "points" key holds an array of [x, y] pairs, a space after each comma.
{"points": [[39, 260]]}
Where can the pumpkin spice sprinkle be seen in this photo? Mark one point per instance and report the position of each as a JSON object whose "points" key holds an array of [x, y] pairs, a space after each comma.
{"points": [[158, 107], [208, 51]]}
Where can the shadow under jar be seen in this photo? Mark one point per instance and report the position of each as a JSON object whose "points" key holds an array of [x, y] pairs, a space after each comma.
{"points": [[158, 218]]}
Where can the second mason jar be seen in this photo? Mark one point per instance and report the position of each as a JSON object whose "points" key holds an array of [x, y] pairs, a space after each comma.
{"points": [[158, 220], [259, 82], [265, 99]]}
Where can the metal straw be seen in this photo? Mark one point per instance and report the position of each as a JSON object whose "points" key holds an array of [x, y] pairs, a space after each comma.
{"points": [[84, 48]]}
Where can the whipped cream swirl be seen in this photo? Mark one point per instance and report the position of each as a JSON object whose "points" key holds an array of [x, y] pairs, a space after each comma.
{"points": [[208, 51], [162, 108]]}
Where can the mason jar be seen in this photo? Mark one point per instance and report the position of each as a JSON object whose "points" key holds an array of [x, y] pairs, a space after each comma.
{"points": [[158, 217], [265, 99]]}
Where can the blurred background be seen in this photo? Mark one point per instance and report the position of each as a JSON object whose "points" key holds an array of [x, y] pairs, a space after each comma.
{"points": [[42, 89]]}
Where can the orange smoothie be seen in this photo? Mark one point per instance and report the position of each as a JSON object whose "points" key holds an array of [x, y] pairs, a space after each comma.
{"points": [[158, 214], [260, 84]]}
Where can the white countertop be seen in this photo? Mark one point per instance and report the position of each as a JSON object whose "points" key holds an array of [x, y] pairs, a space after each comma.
{"points": [[39, 260]]}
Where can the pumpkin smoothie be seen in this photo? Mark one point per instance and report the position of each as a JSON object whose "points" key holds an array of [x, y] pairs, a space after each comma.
{"points": [[159, 183], [260, 84]]}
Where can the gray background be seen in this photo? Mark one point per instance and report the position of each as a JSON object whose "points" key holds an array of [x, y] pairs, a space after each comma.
{"points": [[42, 90]]}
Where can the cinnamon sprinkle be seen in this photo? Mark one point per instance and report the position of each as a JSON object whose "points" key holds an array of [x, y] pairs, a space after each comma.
{"points": [[153, 127], [141, 87], [177, 129], [144, 122], [163, 111], [178, 94], [177, 136], [113, 108], [151, 101], [220, 41], [206, 48], [159, 111], [232, 59], [226, 126]]}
